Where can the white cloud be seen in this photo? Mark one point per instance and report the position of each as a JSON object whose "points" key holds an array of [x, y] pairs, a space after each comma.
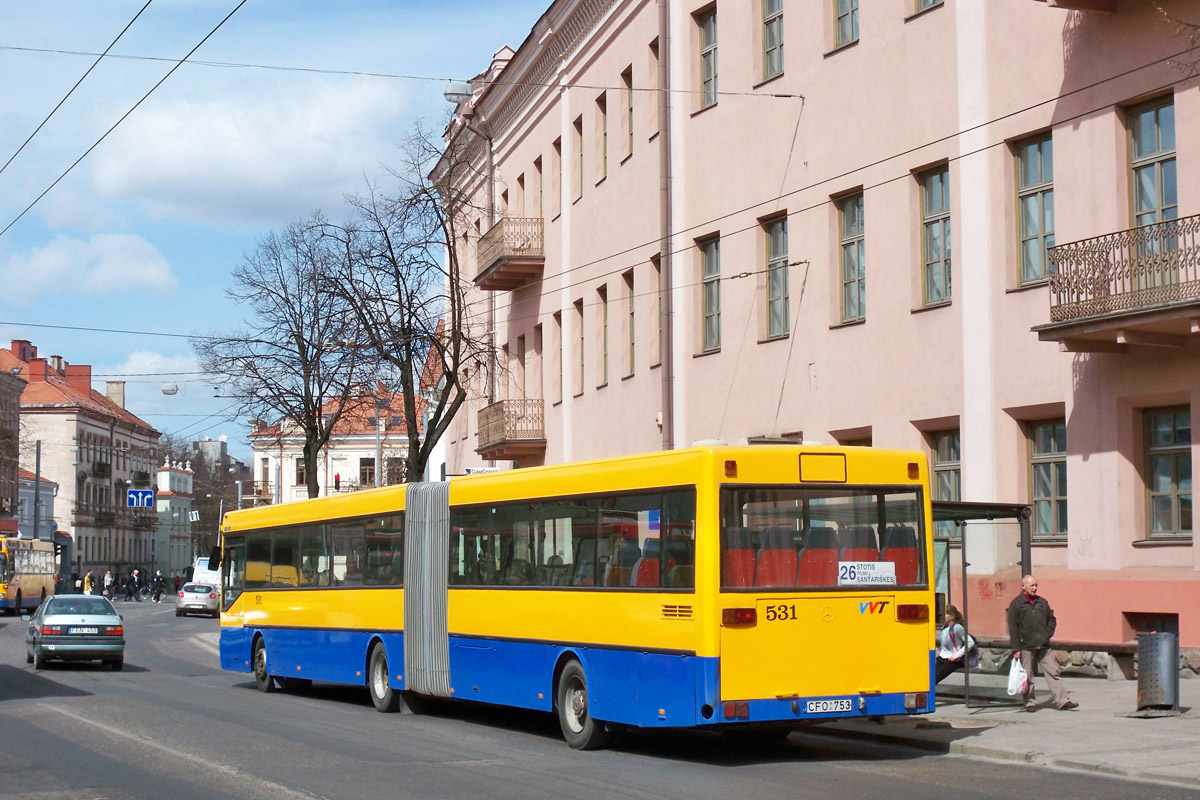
{"points": [[262, 151], [105, 262]]}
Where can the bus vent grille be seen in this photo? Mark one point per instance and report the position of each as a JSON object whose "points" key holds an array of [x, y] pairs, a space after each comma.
{"points": [[677, 612]]}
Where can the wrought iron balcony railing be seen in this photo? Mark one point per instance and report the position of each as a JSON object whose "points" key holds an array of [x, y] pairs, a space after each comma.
{"points": [[511, 254], [1154, 265], [509, 428]]}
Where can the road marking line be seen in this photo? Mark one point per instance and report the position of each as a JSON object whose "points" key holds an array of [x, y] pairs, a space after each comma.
{"points": [[233, 772]]}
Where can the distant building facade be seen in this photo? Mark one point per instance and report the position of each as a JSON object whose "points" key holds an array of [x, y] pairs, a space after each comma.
{"points": [[11, 387], [965, 228], [47, 523], [95, 450], [173, 538]]}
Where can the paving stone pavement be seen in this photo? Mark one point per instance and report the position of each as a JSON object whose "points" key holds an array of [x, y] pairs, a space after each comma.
{"points": [[1099, 736]]}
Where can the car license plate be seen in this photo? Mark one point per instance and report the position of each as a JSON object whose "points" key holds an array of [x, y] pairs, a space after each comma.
{"points": [[84, 629], [827, 706]]}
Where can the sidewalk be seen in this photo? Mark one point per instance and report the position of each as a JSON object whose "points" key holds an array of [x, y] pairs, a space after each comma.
{"points": [[1092, 737]]}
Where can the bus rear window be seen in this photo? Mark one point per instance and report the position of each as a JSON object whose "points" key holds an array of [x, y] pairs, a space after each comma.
{"points": [[822, 538]]}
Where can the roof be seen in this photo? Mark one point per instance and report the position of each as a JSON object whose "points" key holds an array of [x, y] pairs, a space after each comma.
{"points": [[26, 475], [56, 392], [355, 419]]}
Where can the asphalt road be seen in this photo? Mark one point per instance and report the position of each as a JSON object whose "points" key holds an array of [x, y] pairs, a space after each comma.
{"points": [[173, 726]]}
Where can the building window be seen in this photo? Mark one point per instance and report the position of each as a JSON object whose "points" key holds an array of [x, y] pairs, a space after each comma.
{"points": [[656, 263], [1169, 469], [301, 474], [556, 177], [1048, 471], [654, 81], [1035, 202], [947, 476], [846, 21], [853, 258], [772, 38], [627, 86], [924, 4], [777, 278], [366, 472], [708, 58], [1152, 128], [602, 301], [558, 360], [578, 129], [630, 337], [537, 177], [579, 347], [602, 135], [710, 292], [935, 235]]}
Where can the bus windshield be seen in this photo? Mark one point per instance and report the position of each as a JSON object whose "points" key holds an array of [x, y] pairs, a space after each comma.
{"points": [[822, 538]]}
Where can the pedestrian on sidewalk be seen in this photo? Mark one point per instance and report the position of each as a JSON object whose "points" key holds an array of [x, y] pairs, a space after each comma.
{"points": [[159, 585], [108, 584], [956, 647], [1031, 626], [88, 582]]}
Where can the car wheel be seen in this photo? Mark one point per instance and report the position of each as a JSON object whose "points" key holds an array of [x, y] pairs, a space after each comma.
{"points": [[39, 660], [178, 613], [384, 697], [581, 731], [28, 656], [117, 664], [262, 679]]}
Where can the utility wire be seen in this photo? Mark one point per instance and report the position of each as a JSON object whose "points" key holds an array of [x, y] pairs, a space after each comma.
{"points": [[122, 119], [399, 76], [99, 58]]}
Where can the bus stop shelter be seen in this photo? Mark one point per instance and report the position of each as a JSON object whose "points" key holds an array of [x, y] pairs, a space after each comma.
{"points": [[961, 514]]}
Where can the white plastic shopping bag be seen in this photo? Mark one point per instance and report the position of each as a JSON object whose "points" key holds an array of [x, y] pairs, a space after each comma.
{"points": [[1018, 680]]}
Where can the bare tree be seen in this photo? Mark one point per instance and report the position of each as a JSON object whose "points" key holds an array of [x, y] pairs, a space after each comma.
{"points": [[290, 363], [401, 279]]}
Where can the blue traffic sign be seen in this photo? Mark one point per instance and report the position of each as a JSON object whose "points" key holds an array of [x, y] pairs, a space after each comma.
{"points": [[141, 498]]}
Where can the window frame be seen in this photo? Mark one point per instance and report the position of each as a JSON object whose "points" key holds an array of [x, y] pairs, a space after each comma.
{"points": [[1176, 452], [1040, 191], [1162, 211], [772, 39], [776, 270], [852, 240], [939, 219], [1057, 461], [846, 10], [706, 22], [952, 465], [710, 293]]}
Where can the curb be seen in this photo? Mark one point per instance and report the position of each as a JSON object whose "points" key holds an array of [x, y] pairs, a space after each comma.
{"points": [[1027, 757]]}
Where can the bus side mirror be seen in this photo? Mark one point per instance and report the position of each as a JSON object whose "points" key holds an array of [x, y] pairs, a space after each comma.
{"points": [[214, 558]]}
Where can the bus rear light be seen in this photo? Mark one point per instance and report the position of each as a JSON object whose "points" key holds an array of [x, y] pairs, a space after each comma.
{"points": [[115, 630], [51, 630], [737, 709], [738, 616], [914, 470], [918, 612], [730, 468], [914, 701]]}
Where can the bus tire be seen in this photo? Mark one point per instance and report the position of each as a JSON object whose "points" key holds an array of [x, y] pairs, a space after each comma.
{"points": [[262, 679], [20, 609], [385, 698], [581, 731]]}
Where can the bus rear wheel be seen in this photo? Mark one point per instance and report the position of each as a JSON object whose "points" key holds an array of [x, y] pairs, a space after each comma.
{"points": [[581, 731], [262, 679], [385, 698]]}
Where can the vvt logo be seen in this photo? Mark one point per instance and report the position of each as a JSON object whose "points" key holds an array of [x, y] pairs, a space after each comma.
{"points": [[872, 606]]}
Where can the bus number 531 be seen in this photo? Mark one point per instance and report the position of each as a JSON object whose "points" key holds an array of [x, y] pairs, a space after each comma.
{"points": [[780, 613]]}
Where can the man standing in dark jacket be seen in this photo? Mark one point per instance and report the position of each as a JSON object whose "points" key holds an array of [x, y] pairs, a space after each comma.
{"points": [[1031, 625]]}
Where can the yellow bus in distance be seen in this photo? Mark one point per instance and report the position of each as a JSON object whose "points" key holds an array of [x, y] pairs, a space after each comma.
{"points": [[757, 587], [27, 573]]}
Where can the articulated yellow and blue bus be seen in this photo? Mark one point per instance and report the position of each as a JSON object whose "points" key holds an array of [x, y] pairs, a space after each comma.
{"points": [[27, 573], [755, 588]]}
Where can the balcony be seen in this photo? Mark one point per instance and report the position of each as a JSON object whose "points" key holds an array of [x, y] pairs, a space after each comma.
{"points": [[106, 519], [511, 254], [141, 478], [102, 469], [511, 429], [1139, 287]]}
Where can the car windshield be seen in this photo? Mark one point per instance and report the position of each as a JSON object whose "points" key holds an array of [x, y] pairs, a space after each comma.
{"points": [[198, 588], [79, 605]]}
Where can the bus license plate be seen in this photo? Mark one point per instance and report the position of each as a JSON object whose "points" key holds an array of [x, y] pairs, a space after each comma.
{"points": [[86, 629], [827, 706]]}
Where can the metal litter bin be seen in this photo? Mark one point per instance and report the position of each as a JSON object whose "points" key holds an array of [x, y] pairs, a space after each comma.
{"points": [[1158, 671]]}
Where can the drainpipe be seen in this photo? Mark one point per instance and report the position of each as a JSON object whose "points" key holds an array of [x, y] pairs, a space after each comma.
{"points": [[664, 156]]}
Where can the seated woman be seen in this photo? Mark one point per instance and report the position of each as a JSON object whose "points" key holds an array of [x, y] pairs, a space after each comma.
{"points": [[953, 652]]}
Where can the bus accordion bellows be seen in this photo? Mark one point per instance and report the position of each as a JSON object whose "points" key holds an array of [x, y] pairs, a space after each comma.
{"points": [[752, 589]]}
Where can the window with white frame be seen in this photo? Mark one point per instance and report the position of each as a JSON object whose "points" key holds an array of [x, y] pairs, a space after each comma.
{"points": [[1048, 476], [710, 292], [1152, 130], [1035, 203], [947, 475], [772, 38], [777, 277], [845, 21], [935, 235], [853, 258], [1168, 439], [708, 58]]}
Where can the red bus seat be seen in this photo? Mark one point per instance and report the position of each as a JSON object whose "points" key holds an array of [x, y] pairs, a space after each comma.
{"points": [[776, 565], [900, 547], [859, 544], [818, 559], [647, 570], [737, 558]]}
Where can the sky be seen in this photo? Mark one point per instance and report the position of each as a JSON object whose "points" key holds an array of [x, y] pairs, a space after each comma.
{"points": [[143, 234]]}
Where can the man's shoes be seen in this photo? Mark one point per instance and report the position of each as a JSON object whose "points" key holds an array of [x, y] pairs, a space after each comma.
{"points": [[1031, 706], [1067, 706]]}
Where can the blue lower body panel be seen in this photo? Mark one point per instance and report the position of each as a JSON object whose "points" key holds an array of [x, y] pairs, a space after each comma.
{"points": [[629, 687]]}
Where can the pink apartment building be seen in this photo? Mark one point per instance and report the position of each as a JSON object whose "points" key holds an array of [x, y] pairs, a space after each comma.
{"points": [[831, 221]]}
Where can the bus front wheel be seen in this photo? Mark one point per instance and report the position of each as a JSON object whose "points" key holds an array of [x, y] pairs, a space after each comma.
{"points": [[581, 731], [385, 698], [262, 679]]}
